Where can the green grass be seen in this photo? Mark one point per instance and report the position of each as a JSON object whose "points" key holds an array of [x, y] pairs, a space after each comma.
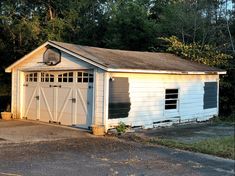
{"points": [[222, 146]]}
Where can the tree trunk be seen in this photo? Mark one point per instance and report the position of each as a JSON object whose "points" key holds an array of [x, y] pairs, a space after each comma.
{"points": [[182, 33], [20, 39], [227, 25], [50, 12]]}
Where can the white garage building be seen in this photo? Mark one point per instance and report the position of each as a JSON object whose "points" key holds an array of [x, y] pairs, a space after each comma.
{"points": [[80, 85]]}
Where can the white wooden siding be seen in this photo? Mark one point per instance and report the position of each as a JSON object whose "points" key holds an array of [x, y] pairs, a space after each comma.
{"points": [[147, 94], [68, 62], [14, 93], [99, 97]]}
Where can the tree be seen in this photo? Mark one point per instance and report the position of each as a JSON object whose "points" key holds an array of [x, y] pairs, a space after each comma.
{"points": [[208, 55], [129, 27], [205, 28]]}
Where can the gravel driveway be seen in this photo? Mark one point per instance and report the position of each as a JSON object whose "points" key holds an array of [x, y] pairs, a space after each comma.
{"points": [[51, 150]]}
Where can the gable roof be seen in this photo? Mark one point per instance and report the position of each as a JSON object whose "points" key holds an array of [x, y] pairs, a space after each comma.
{"points": [[132, 61]]}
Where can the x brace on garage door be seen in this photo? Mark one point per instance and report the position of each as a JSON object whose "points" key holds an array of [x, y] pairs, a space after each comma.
{"points": [[61, 97]]}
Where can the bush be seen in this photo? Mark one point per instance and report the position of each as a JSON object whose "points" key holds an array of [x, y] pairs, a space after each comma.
{"points": [[121, 128]]}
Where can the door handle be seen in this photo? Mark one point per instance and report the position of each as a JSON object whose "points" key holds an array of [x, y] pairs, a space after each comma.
{"points": [[73, 100], [55, 86], [37, 97]]}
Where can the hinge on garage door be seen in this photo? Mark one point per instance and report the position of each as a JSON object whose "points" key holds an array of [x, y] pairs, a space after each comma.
{"points": [[26, 85]]}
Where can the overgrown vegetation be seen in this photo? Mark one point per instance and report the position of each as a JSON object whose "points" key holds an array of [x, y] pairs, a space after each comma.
{"points": [[204, 30], [218, 146], [224, 119], [223, 146], [209, 55]]}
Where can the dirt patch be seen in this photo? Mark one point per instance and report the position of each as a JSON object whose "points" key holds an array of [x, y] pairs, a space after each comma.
{"points": [[188, 133]]}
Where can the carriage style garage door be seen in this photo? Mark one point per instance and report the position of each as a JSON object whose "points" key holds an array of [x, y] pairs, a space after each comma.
{"points": [[62, 97]]}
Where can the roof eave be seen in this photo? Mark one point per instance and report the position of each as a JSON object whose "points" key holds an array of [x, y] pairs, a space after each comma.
{"points": [[167, 72], [87, 60], [9, 68]]}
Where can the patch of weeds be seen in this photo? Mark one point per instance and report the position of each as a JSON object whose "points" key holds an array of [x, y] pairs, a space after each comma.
{"points": [[121, 128], [222, 146], [229, 119], [224, 119]]}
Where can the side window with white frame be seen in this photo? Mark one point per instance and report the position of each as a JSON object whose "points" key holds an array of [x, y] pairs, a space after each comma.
{"points": [[171, 99]]}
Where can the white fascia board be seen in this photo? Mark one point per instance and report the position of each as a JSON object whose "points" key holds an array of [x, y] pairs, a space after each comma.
{"points": [[165, 72], [78, 56], [9, 69]]}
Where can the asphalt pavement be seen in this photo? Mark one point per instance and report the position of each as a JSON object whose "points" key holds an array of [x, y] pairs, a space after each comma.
{"points": [[52, 150]]}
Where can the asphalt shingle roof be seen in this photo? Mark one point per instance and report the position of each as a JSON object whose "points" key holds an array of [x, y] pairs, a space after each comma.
{"points": [[121, 59]]}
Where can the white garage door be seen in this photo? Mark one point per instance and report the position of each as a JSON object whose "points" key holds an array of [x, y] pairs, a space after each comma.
{"points": [[61, 97]]}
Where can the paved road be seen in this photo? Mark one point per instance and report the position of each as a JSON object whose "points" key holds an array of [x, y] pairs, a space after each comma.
{"points": [[84, 154]]}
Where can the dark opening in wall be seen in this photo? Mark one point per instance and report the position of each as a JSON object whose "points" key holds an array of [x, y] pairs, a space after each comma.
{"points": [[171, 98], [119, 99], [210, 95]]}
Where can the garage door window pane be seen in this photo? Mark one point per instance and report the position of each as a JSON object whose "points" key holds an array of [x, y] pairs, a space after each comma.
{"points": [[26, 77], [79, 77], [84, 77], [70, 79], [46, 77], [59, 78], [65, 77], [51, 78], [35, 77], [31, 77]]}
